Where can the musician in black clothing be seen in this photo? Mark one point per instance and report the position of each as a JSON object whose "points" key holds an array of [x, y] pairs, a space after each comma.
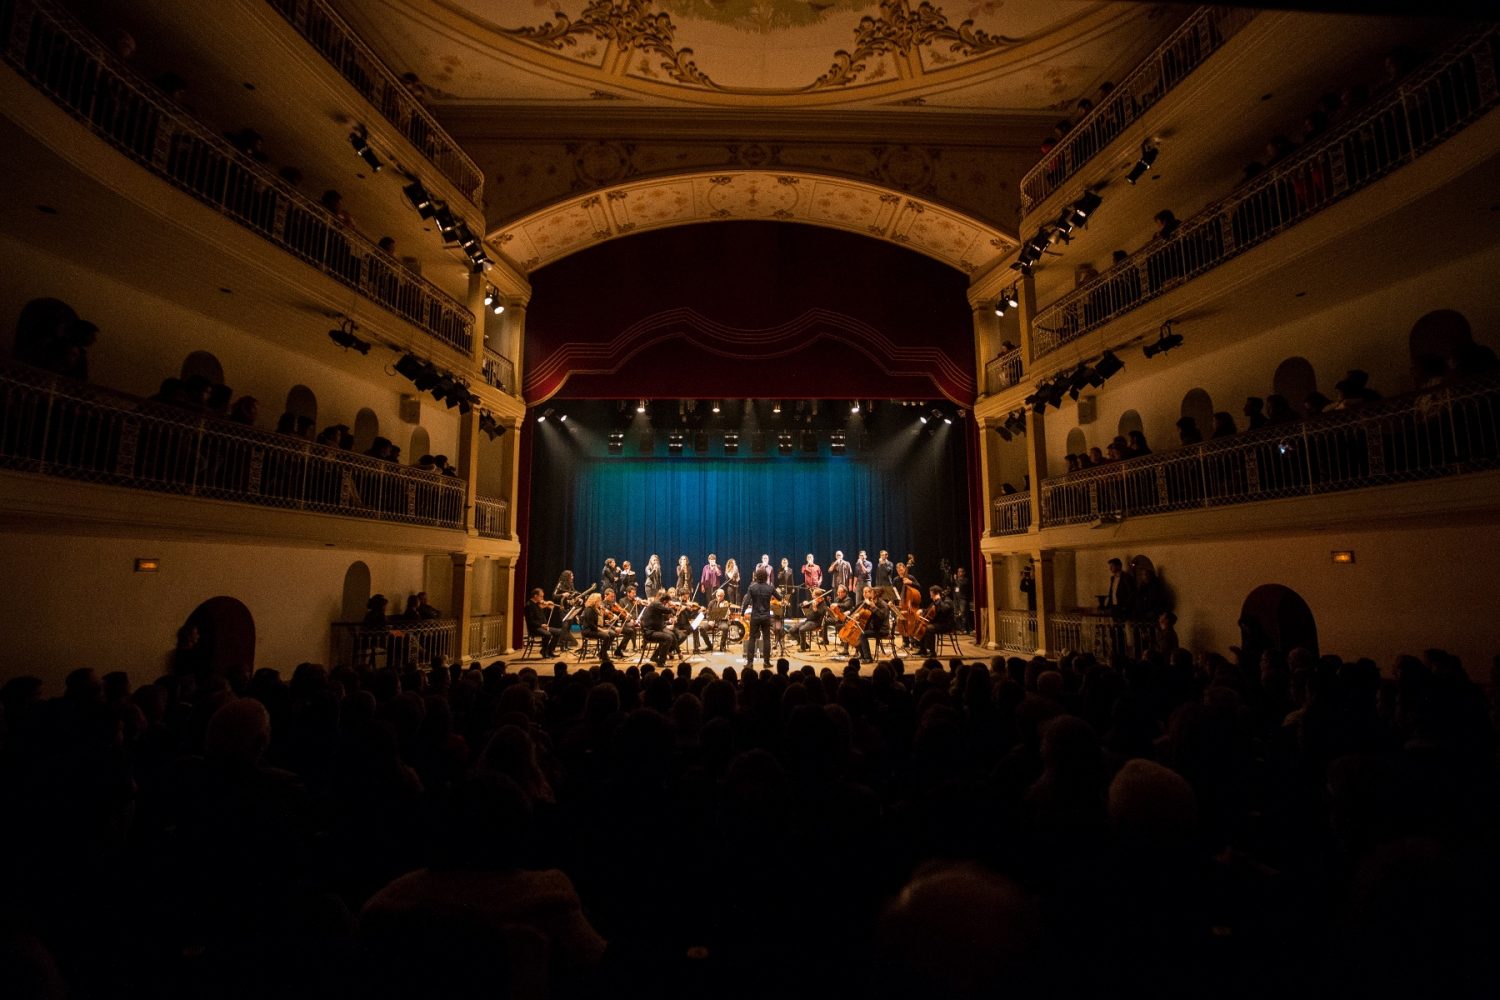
{"points": [[655, 626], [962, 593], [878, 625], [939, 615], [627, 578], [784, 580], [843, 599], [758, 604], [885, 571], [539, 622], [813, 611], [564, 591], [592, 621], [716, 614]]}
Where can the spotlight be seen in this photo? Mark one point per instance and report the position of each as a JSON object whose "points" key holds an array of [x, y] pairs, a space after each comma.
{"points": [[838, 442], [563, 419], [490, 296], [446, 223], [420, 199], [410, 366], [1087, 205], [1165, 341], [543, 418], [361, 145], [731, 443], [640, 407], [1004, 432], [674, 442], [854, 406], [1008, 300], [776, 408], [616, 442], [716, 405], [1148, 157], [1109, 365], [784, 442], [947, 420], [489, 425], [345, 338], [923, 418]]}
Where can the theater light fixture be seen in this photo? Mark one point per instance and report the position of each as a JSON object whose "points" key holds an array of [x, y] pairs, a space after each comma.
{"points": [[838, 442], [674, 442], [1165, 341], [360, 140], [420, 199], [1108, 365], [784, 442], [716, 405], [616, 442], [640, 407], [345, 338], [1148, 157], [1008, 300], [492, 299], [731, 443], [489, 425], [854, 406], [776, 407]]}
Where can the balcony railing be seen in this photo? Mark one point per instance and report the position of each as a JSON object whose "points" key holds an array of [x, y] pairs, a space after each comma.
{"points": [[48, 47], [1016, 630], [492, 517], [1445, 431], [58, 427], [1439, 100], [499, 371], [1197, 38], [327, 32], [487, 636], [1003, 370], [1012, 515], [1098, 634], [402, 644]]}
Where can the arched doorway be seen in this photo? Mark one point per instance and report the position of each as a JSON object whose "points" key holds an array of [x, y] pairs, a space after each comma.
{"points": [[1077, 443], [1438, 334], [1199, 405], [226, 635], [1130, 420], [1295, 380], [1276, 617], [366, 429], [301, 402], [356, 592], [421, 445], [204, 365]]}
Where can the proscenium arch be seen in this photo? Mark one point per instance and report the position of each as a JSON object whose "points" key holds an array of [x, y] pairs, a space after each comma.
{"points": [[577, 223]]}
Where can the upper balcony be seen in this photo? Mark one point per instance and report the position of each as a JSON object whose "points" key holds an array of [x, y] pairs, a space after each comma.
{"points": [[1428, 108], [1183, 51], [67, 65], [331, 36]]}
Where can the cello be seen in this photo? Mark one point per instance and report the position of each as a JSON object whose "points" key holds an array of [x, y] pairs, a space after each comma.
{"points": [[854, 628]]}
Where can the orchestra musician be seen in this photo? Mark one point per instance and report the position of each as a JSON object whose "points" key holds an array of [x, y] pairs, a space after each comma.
{"points": [[911, 569], [878, 625], [684, 577], [813, 611], [716, 614], [595, 625], [909, 595], [812, 574], [609, 576], [619, 618], [655, 622], [653, 574], [627, 578], [687, 612], [711, 576], [563, 592], [633, 607], [758, 597], [539, 622], [939, 618], [839, 571], [731, 581], [839, 609], [859, 576]]}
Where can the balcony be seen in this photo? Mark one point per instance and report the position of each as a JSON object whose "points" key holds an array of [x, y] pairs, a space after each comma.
{"points": [[492, 517], [1002, 371], [48, 48], [499, 371], [401, 645], [1434, 103], [56, 427], [1197, 38], [1012, 515], [487, 635], [1444, 431], [1016, 631], [332, 37]]}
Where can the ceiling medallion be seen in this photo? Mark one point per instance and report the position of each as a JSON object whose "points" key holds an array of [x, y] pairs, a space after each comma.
{"points": [[898, 30]]}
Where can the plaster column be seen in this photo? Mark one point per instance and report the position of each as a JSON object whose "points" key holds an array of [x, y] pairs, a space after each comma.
{"points": [[463, 584]]}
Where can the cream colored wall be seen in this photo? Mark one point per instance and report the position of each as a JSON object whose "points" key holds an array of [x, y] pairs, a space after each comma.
{"points": [[82, 603], [1369, 333], [1409, 588], [143, 339]]}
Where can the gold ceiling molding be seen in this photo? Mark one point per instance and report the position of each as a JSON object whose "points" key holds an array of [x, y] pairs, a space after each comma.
{"points": [[898, 30], [577, 223]]}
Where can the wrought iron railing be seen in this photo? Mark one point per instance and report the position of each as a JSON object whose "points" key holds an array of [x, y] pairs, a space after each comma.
{"points": [[1183, 51], [331, 35], [62, 60], [1437, 101], [1099, 634], [59, 427], [1016, 630], [1444, 431], [1003, 370], [492, 517], [400, 644], [499, 371], [487, 635], [1012, 514]]}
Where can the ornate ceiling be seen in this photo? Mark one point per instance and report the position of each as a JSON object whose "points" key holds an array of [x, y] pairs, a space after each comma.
{"points": [[989, 55]]}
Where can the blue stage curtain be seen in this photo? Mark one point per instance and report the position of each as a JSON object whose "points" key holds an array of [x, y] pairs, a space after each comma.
{"points": [[587, 508]]}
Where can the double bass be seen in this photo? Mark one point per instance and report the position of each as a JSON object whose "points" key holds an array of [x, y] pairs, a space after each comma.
{"points": [[913, 625]]}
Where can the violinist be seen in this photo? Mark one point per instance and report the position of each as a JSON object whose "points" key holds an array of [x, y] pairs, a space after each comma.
{"points": [[563, 592], [940, 621], [594, 625], [619, 618], [655, 627], [813, 611], [633, 608], [539, 622], [687, 613]]}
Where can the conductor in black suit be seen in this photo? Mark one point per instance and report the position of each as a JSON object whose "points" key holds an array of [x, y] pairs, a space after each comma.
{"points": [[758, 602]]}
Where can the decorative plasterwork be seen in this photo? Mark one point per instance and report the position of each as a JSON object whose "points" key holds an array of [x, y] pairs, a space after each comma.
{"points": [[880, 213]]}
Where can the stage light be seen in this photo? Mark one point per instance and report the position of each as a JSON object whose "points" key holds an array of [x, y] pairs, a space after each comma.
{"points": [[731, 443], [716, 405], [410, 365], [563, 419], [1148, 157], [490, 295], [345, 338], [492, 299], [1088, 204], [420, 199], [1109, 365], [854, 406], [489, 425], [776, 408], [837, 442], [446, 223], [1003, 432], [923, 418], [543, 418], [361, 143], [616, 442], [640, 407], [948, 420], [674, 442], [1165, 341], [784, 442]]}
